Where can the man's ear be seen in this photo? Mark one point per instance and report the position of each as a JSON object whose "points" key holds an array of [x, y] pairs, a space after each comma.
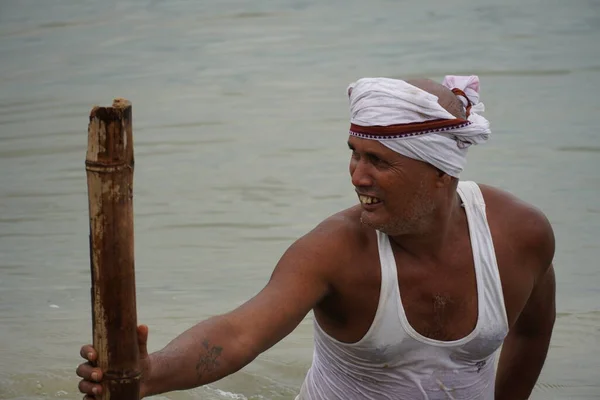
{"points": [[443, 179]]}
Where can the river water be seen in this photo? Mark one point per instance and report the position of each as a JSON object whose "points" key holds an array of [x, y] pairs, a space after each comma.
{"points": [[240, 124]]}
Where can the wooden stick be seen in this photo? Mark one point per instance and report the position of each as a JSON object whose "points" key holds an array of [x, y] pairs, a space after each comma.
{"points": [[109, 168]]}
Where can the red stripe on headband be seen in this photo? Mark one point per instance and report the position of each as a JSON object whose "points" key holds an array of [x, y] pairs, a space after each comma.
{"points": [[408, 130]]}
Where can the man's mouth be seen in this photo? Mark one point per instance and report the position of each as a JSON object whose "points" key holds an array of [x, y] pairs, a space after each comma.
{"points": [[368, 199]]}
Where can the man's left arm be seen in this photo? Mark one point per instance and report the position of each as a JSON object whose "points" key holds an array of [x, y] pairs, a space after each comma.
{"points": [[526, 346]]}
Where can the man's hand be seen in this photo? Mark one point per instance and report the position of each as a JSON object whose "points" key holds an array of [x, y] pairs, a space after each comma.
{"points": [[91, 385]]}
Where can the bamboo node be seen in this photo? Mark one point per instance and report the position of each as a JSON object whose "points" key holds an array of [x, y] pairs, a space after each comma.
{"points": [[106, 167]]}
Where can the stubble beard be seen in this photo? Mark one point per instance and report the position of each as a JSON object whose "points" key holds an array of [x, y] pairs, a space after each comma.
{"points": [[414, 221]]}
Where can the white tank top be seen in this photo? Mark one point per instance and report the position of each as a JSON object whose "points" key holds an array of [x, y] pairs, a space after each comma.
{"points": [[393, 361]]}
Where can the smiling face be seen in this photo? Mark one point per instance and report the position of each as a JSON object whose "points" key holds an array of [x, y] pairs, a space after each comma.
{"points": [[397, 193]]}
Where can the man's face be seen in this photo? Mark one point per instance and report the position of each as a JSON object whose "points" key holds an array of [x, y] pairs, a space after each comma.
{"points": [[396, 192]]}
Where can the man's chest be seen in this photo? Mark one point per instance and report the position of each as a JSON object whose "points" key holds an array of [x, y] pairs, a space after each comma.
{"points": [[439, 303], [444, 301], [440, 300]]}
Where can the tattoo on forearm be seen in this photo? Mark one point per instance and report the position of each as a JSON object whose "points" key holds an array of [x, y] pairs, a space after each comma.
{"points": [[209, 359]]}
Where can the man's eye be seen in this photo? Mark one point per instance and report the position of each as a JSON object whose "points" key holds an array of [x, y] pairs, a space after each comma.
{"points": [[376, 160]]}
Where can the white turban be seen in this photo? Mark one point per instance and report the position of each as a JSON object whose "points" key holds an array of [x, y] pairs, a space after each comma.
{"points": [[410, 121]]}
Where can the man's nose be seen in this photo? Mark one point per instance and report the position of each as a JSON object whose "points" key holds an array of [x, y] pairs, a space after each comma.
{"points": [[360, 173]]}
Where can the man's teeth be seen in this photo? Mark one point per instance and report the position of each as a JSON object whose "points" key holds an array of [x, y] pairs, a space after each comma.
{"points": [[368, 200]]}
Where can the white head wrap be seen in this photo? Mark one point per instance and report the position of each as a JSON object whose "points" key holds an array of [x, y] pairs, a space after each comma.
{"points": [[410, 121]]}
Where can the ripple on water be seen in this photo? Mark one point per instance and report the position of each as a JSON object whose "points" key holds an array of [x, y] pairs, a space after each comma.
{"points": [[580, 149]]}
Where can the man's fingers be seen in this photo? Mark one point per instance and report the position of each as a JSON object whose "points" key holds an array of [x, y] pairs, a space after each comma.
{"points": [[89, 373], [90, 389], [88, 352], [142, 332]]}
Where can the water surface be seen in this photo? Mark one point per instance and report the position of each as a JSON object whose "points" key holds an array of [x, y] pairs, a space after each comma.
{"points": [[240, 123]]}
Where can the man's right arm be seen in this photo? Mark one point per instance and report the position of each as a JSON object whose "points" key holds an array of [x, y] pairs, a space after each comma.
{"points": [[224, 344]]}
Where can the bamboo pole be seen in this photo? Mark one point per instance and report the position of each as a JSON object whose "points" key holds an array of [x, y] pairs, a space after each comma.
{"points": [[109, 169]]}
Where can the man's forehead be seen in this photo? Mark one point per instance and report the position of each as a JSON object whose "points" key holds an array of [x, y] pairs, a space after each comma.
{"points": [[369, 145], [363, 143], [374, 147]]}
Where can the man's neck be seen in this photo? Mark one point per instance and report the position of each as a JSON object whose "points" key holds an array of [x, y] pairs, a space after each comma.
{"points": [[433, 237]]}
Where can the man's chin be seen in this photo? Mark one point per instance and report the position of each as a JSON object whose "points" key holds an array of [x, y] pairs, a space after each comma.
{"points": [[391, 228], [366, 218]]}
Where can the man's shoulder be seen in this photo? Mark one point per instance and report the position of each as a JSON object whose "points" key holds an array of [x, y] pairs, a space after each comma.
{"points": [[338, 235], [501, 203], [332, 244], [344, 227], [523, 223]]}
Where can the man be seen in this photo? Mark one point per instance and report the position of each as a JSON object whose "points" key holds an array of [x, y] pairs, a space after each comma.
{"points": [[414, 290]]}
